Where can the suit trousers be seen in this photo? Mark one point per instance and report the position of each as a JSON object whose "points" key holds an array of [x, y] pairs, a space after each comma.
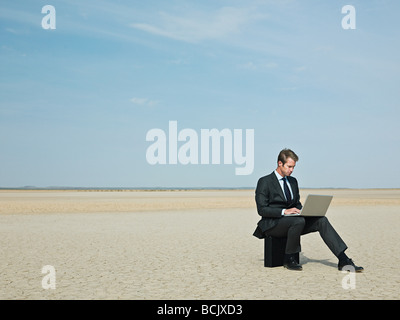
{"points": [[293, 227]]}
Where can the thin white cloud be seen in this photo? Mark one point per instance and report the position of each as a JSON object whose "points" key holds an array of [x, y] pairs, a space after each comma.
{"points": [[144, 102], [12, 30], [300, 69], [198, 26], [259, 65]]}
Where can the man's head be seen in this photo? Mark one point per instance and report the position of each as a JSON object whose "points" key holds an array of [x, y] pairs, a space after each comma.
{"points": [[286, 162]]}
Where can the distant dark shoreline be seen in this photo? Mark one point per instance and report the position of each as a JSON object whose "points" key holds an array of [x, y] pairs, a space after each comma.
{"points": [[125, 189], [32, 188]]}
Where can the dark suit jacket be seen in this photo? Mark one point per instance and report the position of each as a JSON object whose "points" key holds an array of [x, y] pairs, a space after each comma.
{"points": [[270, 201]]}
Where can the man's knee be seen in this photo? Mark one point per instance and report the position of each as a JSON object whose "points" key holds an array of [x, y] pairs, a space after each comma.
{"points": [[298, 221], [323, 221]]}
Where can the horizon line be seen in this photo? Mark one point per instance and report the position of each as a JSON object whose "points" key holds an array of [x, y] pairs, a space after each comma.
{"points": [[159, 188]]}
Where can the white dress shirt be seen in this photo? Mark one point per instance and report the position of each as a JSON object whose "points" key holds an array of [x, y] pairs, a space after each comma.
{"points": [[280, 179]]}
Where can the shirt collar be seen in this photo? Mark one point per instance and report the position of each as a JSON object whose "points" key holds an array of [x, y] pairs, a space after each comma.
{"points": [[278, 175]]}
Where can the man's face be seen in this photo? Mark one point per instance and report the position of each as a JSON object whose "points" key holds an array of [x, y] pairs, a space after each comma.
{"points": [[287, 168]]}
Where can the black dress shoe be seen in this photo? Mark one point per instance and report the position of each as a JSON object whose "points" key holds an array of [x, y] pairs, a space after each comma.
{"points": [[292, 264], [350, 266]]}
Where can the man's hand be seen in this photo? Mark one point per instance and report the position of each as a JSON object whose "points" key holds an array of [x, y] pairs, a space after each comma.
{"points": [[291, 211]]}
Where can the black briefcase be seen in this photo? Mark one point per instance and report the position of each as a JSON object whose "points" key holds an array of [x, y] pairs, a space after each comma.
{"points": [[274, 251]]}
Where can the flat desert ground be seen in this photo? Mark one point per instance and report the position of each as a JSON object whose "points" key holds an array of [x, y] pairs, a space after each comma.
{"points": [[194, 244]]}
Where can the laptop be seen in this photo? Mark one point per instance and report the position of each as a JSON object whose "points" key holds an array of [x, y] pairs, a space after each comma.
{"points": [[315, 205]]}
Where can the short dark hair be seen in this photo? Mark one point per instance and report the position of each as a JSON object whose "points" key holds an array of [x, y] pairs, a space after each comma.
{"points": [[285, 154]]}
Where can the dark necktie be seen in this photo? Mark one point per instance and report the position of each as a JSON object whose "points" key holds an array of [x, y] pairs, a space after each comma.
{"points": [[287, 191]]}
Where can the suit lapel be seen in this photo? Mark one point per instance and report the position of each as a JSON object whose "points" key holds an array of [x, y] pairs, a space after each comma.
{"points": [[294, 190], [277, 185]]}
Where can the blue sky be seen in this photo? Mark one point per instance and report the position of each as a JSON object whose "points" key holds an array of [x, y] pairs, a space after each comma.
{"points": [[77, 102]]}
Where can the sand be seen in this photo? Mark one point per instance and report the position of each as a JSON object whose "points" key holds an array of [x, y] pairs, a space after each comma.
{"points": [[186, 245]]}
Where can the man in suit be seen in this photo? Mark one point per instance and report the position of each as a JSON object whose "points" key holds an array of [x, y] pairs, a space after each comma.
{"points": [[278, 198]]}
